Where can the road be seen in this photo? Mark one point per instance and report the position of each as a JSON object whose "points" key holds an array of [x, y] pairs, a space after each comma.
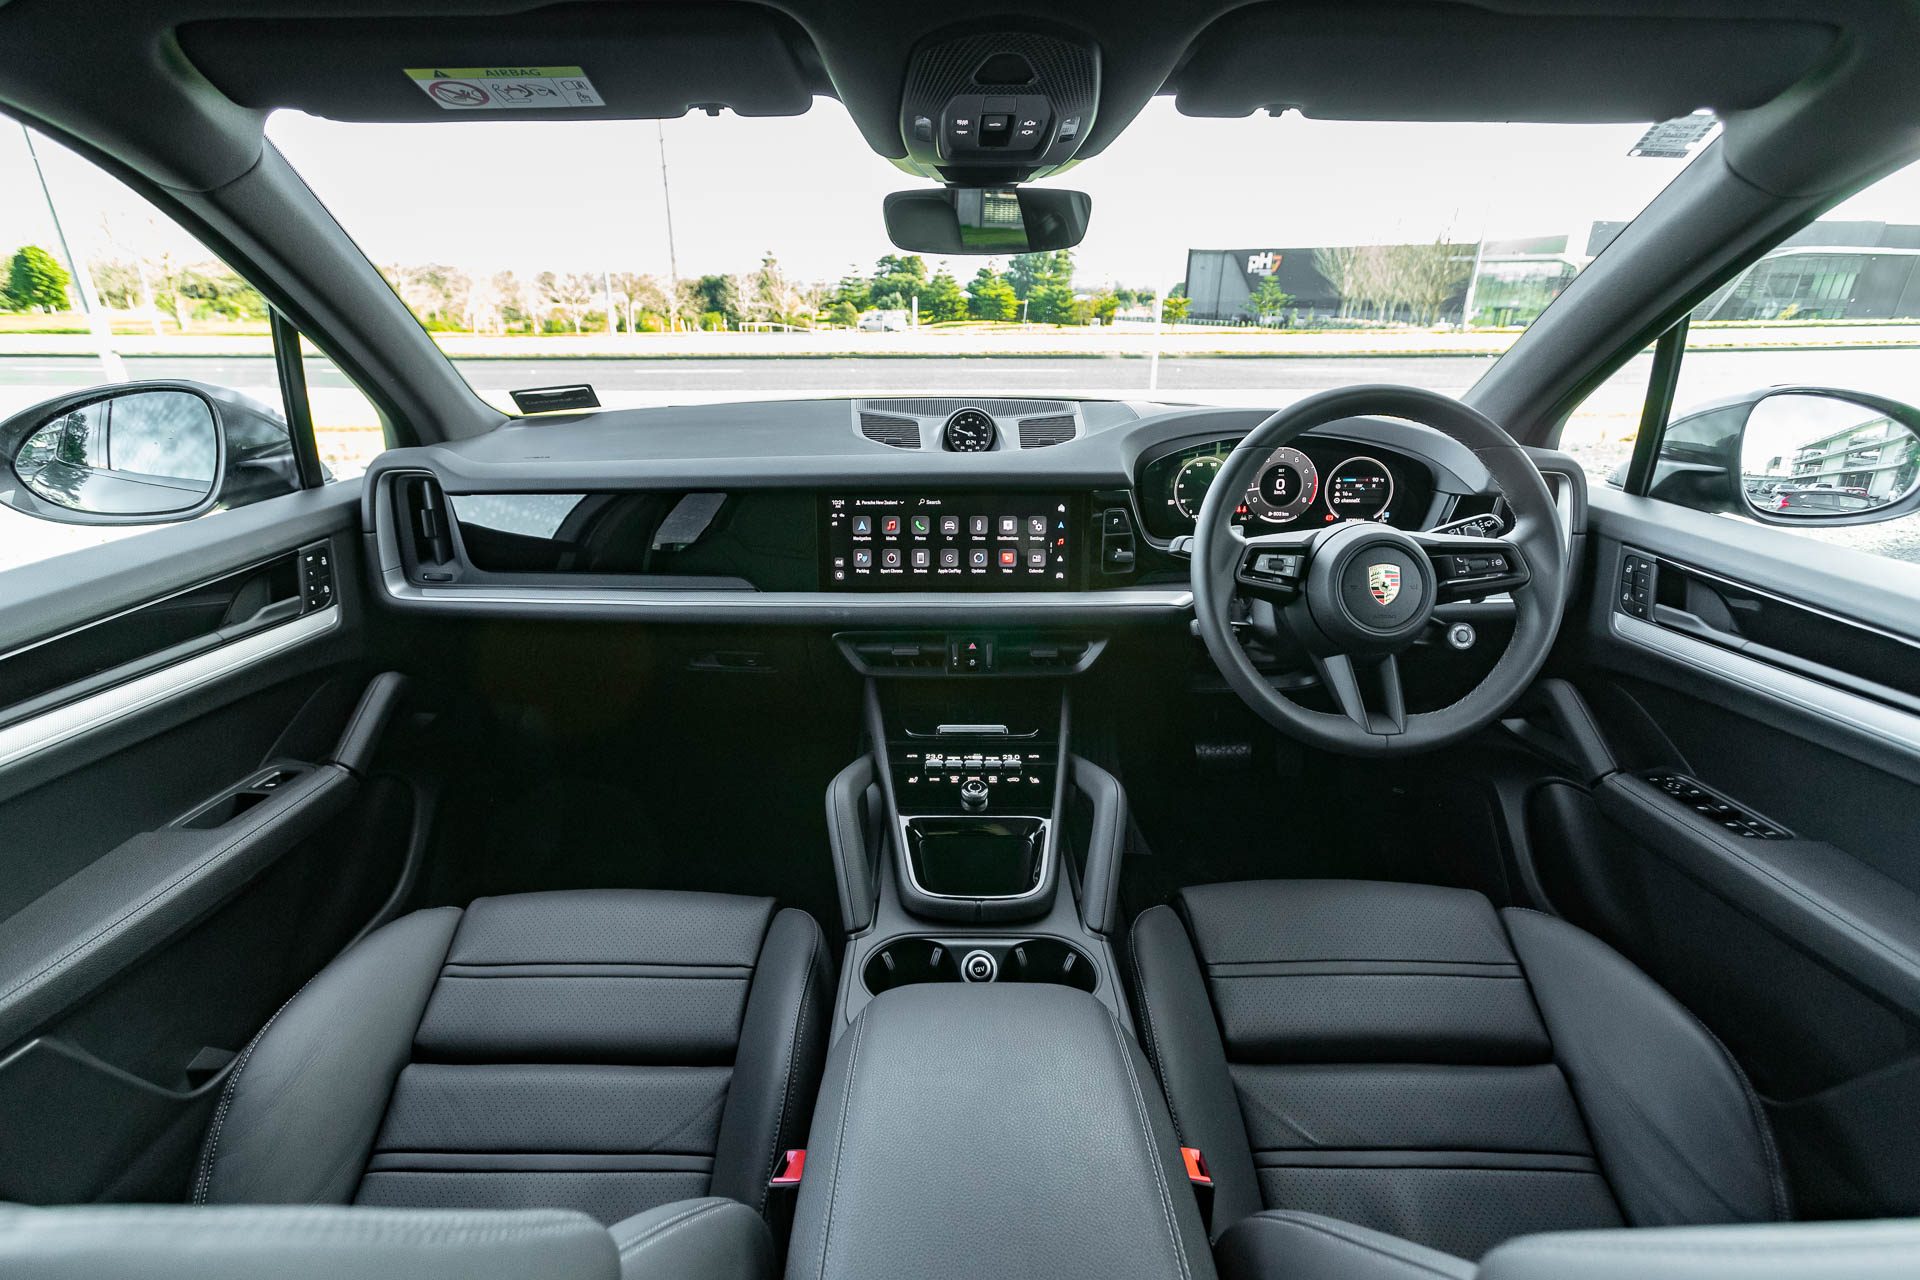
{"points": [[1896, 371]]}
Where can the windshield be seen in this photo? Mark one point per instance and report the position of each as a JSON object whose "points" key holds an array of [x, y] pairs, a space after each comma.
{"points": [[719, 258]]}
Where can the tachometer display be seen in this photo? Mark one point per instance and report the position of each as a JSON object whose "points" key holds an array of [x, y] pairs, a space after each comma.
{"points": [[1191, 484], [1286, 486], [1359, 489]]}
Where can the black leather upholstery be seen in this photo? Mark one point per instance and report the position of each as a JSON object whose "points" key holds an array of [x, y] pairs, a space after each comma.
{"points": [[1283, 1245], [1305, 1246], [1405, 1058], [1795, 1251], [709, 1239], [306, 1243], [713, 1238], [606, 1051], [989, 1132]]}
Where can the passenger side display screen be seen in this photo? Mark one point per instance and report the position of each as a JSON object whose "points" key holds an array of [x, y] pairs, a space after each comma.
{"points": [[947, 542]]}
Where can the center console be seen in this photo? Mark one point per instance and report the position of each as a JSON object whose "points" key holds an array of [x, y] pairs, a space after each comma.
{"points": [[971, 845]]}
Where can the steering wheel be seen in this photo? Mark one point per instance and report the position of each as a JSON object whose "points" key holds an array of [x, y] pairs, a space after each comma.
{"points": [[1359, 593]]}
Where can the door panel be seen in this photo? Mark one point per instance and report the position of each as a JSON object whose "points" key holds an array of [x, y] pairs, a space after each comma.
{"points": [[192, 830], [1757, 849]]}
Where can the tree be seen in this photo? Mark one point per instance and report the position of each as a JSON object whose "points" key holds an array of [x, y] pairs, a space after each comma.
{"points": [[772, 297], [36, 281], [991, 297], [717, 295], [943, 299], [1105, 305], [636, 294], [1045, 282], [900, 276], [571, 295], [1429, 275], [843, 313], [1174, 309], [1269, 299]]}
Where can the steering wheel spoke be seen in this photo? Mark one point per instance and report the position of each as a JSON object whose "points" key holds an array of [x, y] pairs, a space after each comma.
{"points": [[1367, 690], [1467, 568], [1272, 566]]}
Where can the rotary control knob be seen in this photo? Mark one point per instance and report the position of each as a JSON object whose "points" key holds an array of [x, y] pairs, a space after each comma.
{"points": [[973, 795]]}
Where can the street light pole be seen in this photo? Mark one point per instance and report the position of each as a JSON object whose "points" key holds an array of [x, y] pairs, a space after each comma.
{"points": [[673, 261], [110, 362]]}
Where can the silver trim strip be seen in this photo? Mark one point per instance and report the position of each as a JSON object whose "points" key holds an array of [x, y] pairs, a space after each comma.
{"points": [[826, 604], [62, 724], [1890, 726]]}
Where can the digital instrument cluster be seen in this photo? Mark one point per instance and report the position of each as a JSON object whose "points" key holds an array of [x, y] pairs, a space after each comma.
{"points": [[947, 542], [1317, 482]]}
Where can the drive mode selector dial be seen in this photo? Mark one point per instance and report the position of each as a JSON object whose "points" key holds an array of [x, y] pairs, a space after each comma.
{"points": [[979, 966]]}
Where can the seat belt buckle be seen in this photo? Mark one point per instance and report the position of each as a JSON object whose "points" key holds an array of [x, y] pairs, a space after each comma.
{"points": [[786, 1173], [1202, 1182]]}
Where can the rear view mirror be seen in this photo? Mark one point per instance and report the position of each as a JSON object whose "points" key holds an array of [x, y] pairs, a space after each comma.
{"points": [[987, 220], [1811, 454]]}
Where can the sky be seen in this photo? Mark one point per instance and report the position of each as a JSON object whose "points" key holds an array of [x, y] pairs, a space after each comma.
{"points": [[490, 195]]}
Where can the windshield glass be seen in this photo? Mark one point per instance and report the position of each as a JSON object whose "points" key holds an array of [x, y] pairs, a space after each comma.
{"points": [[720, 258]]}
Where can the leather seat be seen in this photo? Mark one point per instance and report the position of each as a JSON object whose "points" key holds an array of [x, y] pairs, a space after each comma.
{"points": [[1407, 1059], [602, 1051]]}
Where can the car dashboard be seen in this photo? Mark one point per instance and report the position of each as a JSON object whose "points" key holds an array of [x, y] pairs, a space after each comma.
{"points": [[935, 510]]}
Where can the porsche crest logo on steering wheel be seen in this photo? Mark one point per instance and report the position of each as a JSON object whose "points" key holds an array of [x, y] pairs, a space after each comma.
{"points": [[1383, 580]]}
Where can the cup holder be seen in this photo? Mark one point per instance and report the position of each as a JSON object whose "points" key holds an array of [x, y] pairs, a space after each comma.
{"points": [[905, 961]]}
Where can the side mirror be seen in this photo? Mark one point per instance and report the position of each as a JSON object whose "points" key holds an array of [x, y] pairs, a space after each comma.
{"points": [[143, 453], [987, 220], [1833, 457], [1794, 455]]}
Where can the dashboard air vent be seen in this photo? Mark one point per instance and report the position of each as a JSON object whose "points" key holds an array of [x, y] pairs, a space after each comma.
{"points": [[901, 433], [1038, 433]]}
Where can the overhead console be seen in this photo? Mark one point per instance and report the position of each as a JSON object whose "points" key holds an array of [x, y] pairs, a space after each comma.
{"points": [[998, 107]]}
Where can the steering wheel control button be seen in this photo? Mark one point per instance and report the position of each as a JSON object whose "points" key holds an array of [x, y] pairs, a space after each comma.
{"points": [[1461, 636], [979, 966]]}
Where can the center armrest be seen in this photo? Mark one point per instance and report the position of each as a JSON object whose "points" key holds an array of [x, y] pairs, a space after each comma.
{"points": [[992, 1131]]}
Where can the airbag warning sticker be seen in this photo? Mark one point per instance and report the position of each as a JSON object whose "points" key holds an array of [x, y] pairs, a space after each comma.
{"points": [[506, 88]]}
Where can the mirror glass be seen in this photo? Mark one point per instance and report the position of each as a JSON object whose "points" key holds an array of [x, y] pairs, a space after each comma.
{"points": [[140, 454], [987, 220], [1817, 456]]}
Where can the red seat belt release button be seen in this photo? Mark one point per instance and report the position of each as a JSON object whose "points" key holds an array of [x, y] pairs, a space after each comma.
{"points": [[1202, 1182], [792, 1165], [1196, 1167]]}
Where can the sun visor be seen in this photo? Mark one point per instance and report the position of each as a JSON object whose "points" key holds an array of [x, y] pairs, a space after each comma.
{"points": [[574, 61], [1453, 62]]}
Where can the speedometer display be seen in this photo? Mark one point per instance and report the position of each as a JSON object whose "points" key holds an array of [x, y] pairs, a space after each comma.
{"points": [[1317, 480], [1285, 487]]}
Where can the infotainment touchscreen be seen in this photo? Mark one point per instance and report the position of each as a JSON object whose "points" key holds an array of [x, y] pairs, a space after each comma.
{"points": [[947, 542]]}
